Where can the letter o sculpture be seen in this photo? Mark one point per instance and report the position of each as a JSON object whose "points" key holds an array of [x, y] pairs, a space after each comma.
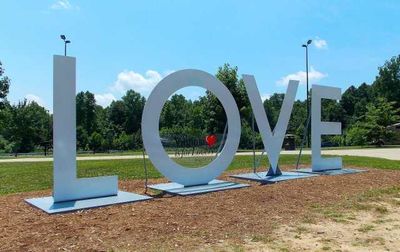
{"points": [[151, 135]]}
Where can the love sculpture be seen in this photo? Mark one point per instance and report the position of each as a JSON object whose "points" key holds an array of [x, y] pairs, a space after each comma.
{"points": [[72, 193]]}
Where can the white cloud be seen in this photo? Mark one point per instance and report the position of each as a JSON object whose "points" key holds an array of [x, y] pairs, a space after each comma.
{"points": [[104, 99], [142, 84], [313, 76], [35, 98], [63, 5], [320, 43], [265, 96]]}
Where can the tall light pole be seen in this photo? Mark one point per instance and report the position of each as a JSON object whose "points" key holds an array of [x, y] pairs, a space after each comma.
{"points": [[307, 99], [65, 43]]}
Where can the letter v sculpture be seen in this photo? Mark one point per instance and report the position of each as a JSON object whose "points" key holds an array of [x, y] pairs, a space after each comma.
{"points": [[272, 140]]}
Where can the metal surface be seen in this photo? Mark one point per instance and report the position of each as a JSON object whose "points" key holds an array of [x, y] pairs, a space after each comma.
{"points": [[66, 184], [307, 98], [263, 178], [213, 186], [319, 128], [272, 140], [48, 205], [150, 127], [331, 172], [221, 144], [308, 90]]}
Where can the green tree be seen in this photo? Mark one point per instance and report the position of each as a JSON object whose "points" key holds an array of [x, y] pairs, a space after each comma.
{"points": [[117, 115], [357, 135], [134, 104], [4, 86], [298, 120], [29, 126], [331, 111], [354, 103], [82, 138], [86, 111], [167, 117], [378, 117], [373, 126], [177, 110], [214, 112], [5, 118], [348, 104], [246, 138], [196, 114], [387, 83], [95, 141], [272, 108], [124, 142]]}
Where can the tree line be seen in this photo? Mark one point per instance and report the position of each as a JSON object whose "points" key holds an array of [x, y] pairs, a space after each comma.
{"points": [[366, 113]]}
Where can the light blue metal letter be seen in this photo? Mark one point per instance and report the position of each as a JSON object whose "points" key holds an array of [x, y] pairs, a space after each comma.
{"points": [[272, 140], [151, 121], [319, 128], [66, 184]]}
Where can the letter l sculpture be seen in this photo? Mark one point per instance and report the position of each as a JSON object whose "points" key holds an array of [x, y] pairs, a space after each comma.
{"points": [[67, 188]]}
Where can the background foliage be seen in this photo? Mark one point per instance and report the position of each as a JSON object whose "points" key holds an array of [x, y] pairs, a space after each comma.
{"points": [[366, 112]]}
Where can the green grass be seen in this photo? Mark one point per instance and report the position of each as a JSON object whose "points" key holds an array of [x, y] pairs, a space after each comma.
{"points": [[366, 228], [32, 176], [366, 201], [379, 163]]}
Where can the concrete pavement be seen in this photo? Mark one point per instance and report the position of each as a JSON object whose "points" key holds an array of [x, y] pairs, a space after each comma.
{"points": [[387, 153]]}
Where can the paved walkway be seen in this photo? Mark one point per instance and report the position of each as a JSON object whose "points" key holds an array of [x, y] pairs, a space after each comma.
{"points": [[388, 153]]}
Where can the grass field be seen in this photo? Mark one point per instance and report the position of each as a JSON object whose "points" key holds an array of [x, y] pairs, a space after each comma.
{"points": [[32, 176]]}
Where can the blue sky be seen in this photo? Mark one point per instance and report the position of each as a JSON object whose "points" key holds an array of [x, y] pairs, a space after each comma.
{"points": [[133, 44]]}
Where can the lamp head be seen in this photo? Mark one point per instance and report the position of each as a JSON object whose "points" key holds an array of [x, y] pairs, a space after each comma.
{"points": [[303, 45], [62, 37], [309, 41], [67, 41]]}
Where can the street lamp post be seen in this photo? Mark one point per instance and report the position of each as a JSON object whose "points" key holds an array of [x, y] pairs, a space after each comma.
{"points": [[307, 93], [65, 43]]}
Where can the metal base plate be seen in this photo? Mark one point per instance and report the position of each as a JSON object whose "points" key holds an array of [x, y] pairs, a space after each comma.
{"points": [[212, 186], [263, 178], [47, 203], [330, 172]]}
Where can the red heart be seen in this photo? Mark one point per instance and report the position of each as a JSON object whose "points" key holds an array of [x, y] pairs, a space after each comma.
{"points": [[211, 140]]}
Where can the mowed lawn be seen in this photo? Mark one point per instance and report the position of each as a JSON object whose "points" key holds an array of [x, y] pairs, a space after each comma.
{"points": [[33, 176]]}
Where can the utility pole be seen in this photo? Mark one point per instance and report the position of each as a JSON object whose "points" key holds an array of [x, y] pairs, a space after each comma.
{"points": [[65, 43], [307, 93]]}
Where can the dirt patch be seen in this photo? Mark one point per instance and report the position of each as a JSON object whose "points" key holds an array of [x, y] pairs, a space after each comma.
{"points": [[375, 227], [203, 222]]}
